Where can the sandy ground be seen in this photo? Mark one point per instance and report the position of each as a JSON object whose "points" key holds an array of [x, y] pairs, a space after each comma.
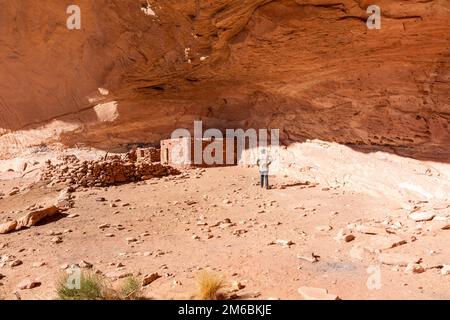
{"points": [[174, 224]]}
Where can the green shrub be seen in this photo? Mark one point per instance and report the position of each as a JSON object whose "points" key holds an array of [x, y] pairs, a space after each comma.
{"points": [[95, 287], [92, 287]]}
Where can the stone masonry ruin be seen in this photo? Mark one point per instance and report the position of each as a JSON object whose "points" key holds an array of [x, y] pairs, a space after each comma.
{"points": [[136, 165]]}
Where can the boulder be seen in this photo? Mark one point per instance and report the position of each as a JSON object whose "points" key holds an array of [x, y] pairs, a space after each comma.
{"points": [[8, 227], [32, 218], [148, 279]]}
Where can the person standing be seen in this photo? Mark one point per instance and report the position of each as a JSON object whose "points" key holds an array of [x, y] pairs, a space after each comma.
{"points": [[263, 163]]}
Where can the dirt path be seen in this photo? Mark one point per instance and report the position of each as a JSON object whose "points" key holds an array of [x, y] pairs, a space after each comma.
{"points": [[168, 226]]}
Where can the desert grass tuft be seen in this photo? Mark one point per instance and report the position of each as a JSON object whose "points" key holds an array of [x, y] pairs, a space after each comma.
{"points": [[91, 287], [210, 286], [130, 289], [96, 287]]}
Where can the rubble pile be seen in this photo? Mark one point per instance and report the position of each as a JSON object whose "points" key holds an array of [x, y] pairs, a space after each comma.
{"points": [[110, 170]]}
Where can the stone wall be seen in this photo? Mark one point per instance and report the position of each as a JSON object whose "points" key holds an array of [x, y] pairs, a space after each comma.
{"points": [[111, 170], [148, 154]]}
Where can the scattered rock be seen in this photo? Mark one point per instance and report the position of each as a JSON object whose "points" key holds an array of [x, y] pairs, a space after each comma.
{"points": [[131, 239], [13, 191], [39, 264], [56, 239], [226, 225], [148, 279], [343, 236], [28, 284], [414, 268], [239, 232], [85, 265], [349, 237], [370, 229], [15, 263], [236, 285], [324, 228], [381, 243], [312, 258], [445, 270], [283, 243], [397, 259]]}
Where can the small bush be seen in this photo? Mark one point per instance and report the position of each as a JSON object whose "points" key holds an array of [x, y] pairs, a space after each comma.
{"points": [[209, 286], [91, 287], [95, 287], [130, 289]]}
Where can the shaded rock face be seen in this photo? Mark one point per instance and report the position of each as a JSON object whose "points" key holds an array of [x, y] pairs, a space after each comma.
{"points": [[310, 68]]}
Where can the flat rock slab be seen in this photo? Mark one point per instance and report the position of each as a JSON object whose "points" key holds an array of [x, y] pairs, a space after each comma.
{"points": [[311, 293], [421, 216]]}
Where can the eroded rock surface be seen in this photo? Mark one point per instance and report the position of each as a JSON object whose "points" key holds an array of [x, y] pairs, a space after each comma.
{"points": [[308, 67]]}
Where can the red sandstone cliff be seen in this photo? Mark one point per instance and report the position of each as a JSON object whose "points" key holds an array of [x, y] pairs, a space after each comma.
{"points": [[309, 67]]}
